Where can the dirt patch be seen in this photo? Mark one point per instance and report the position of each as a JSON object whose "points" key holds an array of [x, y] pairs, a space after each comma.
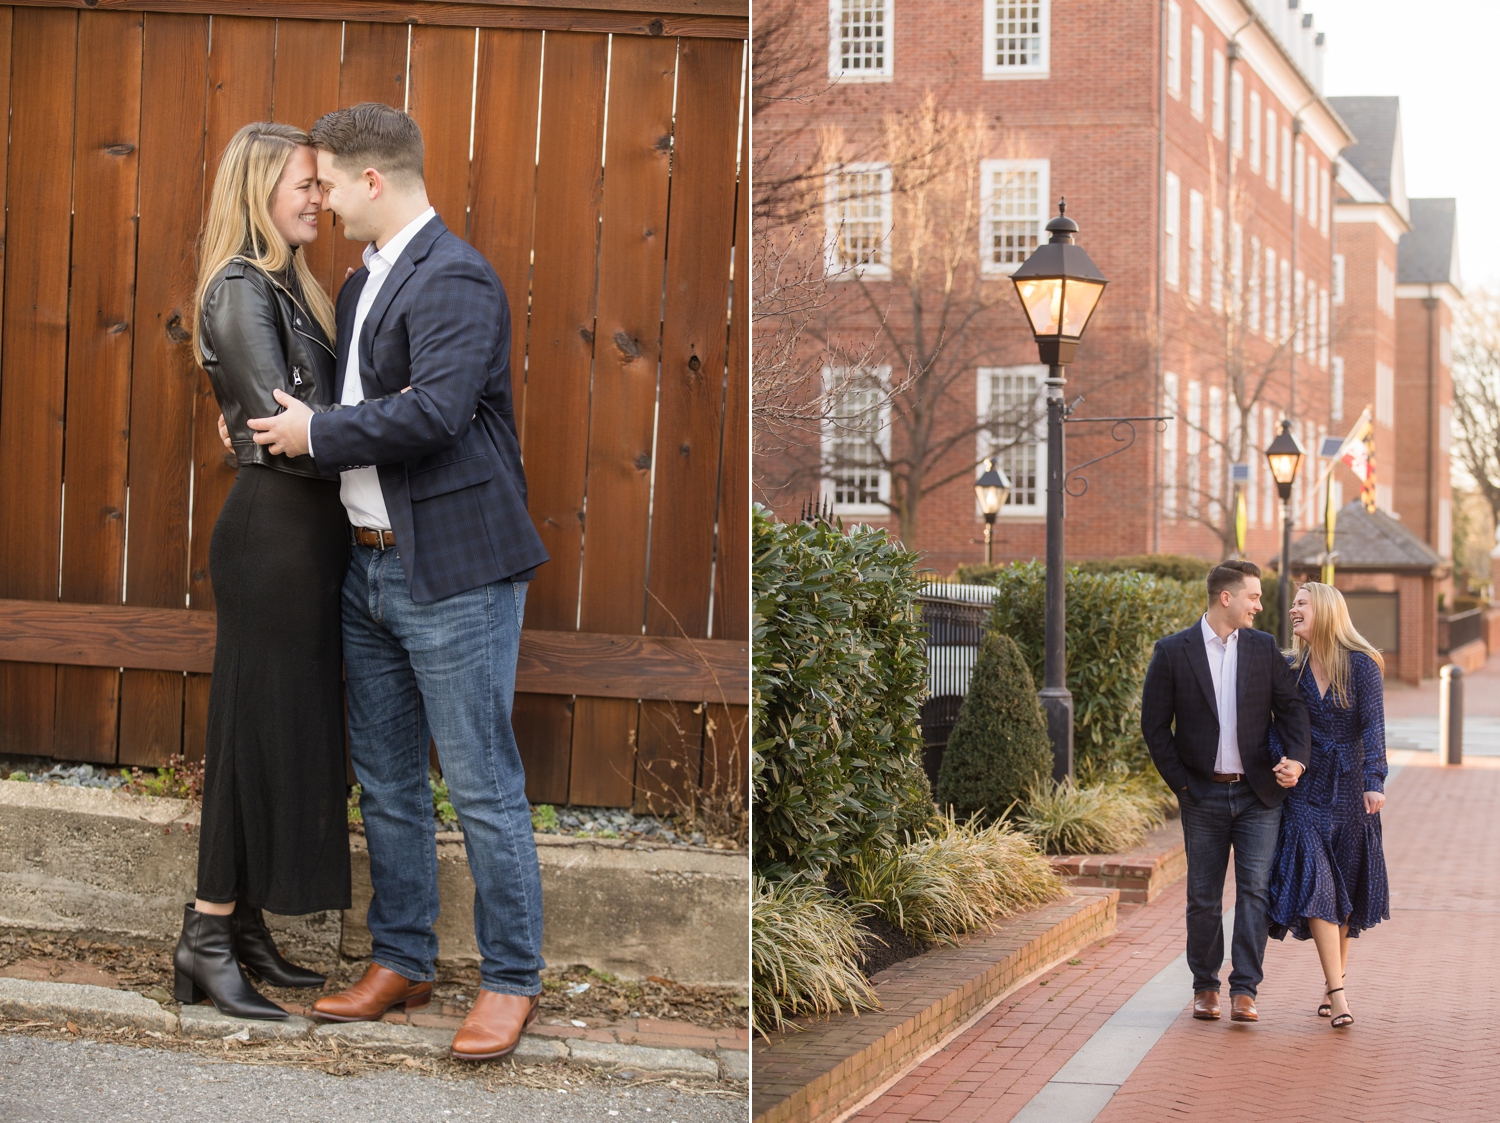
{"points": [[883, 945]]}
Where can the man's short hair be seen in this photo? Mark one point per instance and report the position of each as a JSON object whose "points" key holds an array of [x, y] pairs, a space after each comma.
{"points": [[372, 135], [1229, 575]]}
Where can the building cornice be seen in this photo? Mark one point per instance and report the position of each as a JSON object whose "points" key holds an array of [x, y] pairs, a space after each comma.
{"points": [[1269, 58], [1445, 291], [1382, 214]]}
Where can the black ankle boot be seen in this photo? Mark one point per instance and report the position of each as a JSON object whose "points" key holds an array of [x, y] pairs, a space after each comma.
{"points": [[206, 967], [257, 951]]}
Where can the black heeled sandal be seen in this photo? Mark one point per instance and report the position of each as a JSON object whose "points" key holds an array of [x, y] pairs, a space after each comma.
{"points": [[1325, 1010], [1343, 1019]]}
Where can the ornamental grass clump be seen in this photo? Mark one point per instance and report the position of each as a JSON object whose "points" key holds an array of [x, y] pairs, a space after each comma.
{"points": [[954, 877], [804, 953], [1100, 819]]}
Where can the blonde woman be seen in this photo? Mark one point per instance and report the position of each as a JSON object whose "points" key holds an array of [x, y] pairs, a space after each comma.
{"points": [[1329, 882], [275, 830]]}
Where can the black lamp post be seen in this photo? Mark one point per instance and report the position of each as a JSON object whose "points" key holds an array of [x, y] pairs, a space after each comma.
{"points": [[1285, 458], [1059, 287], [991, 488]]}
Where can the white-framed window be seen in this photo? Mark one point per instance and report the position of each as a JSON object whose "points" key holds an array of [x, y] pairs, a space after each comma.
{"points": [[1195, 245], [1325, 188], [1218, 114], [860, 40], [1336, 388], [1271, 147], [1252, 297], [1169, 445], [1236, 268], [1298, 177], [1338, 278], [1215, 451], [1216, 262], [1016, 38], [1325, 330], [1174, 48], [1270, 294], [1445, 528], [859, 222], [857, 444], [1385, 395], [1286, 163], [1299, 312], [1173, 240], [1251, 455], [1445, 428], [1312, 189], [1194, 446], [1268, 491], [1013, 211], [1254, 151], [1385, 288], [1286, 298], [1445, 347], [1013, 429], [1384, 497], [1195, 73], [1237, 113]]}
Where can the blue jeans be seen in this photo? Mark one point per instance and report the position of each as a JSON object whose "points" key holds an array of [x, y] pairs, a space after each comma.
{"points": [[1232, 815], [447, 671]]}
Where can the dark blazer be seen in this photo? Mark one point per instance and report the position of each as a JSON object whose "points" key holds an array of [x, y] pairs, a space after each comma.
{"points": [[447, 452], [1180, 717]]}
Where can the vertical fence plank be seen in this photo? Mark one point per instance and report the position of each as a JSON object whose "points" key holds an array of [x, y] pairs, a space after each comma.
{"points": [[96, 437], [441, 94], [165, 375], [690, 414], [34, 368], [374, 69], [306, 87], [637, 167], [726, 755], [502, 177], [560, 351]]}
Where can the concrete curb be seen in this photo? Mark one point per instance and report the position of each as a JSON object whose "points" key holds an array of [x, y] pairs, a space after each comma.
{"points": [[91, 1007]]}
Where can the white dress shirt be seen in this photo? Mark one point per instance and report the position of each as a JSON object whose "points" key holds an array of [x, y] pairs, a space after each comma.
{"points": [[359, 488], [1223, 665]]}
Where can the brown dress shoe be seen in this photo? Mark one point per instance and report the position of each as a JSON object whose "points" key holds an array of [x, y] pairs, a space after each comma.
{"points": [[372, 996], [494, 1026], [1242, 1009], [1206, 1005]]}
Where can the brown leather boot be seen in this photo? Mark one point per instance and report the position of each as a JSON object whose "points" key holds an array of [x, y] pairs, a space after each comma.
{"points": [[494, 1026], [1242, 1008], [372, 996], [1206, 1005]]}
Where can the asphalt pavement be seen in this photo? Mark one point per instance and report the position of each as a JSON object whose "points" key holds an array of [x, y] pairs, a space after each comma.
{"points": [[43, 1080]]}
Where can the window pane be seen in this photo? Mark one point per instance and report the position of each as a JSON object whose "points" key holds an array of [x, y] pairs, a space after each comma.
{"points": [[1018, 33], [1012, 426], [862, 35], [1015, 216], [856, 447], [861, 218]]}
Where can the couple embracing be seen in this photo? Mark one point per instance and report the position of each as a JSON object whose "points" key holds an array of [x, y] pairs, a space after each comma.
{"points": [[1279, 757], [375, 548]]}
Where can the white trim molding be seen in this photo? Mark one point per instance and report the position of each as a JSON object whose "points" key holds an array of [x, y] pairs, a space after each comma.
{"points": [[1017, 30], [879, 34]]}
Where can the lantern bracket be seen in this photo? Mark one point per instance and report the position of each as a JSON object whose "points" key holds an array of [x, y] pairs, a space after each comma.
{"points": [[1121, 431]]}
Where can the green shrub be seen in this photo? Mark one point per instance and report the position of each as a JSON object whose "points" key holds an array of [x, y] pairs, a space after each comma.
{"points": [[999, 744], [804, 953], [1101, 819], [1114, 619], [1179, 567], [952, 878], [838, 673]]}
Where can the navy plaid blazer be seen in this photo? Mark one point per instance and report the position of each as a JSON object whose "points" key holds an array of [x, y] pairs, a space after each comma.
{"points": [[447, 452], [1180, 716]]}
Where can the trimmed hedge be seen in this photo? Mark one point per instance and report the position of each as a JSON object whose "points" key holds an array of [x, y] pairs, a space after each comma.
{"points": [[999, 746], [1180, 567], [838, 672], [1114, 620]]}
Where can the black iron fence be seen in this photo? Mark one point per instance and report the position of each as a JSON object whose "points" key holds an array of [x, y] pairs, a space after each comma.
{"points": [[953, 623], [1460, 628]]}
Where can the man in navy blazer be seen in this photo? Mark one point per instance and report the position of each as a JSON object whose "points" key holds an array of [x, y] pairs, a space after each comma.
{"points": [[1211, 692], [424, 442]]}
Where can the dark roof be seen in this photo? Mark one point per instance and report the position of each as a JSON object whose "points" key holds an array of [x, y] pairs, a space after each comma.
{"points": [[1376, 121], [1428, 254], [1367, 540]]}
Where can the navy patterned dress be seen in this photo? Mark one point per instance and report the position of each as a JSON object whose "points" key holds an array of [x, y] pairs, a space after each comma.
{"points": [[1329, 860]]}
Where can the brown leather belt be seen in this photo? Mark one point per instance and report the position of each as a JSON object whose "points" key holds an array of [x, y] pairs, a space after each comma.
{"points": [[1228, 777], [375, 539]]}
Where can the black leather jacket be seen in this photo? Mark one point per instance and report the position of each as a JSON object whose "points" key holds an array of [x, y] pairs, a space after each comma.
{"points": [[257, 337]]}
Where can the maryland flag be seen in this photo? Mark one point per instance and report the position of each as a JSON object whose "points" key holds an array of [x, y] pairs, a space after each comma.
{"points": [[1358, 451]]}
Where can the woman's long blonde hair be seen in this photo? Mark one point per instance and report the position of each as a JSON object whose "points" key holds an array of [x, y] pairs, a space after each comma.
{"points": [[1333, 638], [239, 218]]}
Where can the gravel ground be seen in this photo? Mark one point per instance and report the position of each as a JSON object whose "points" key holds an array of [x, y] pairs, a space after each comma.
{"points": [[45, 1080]]}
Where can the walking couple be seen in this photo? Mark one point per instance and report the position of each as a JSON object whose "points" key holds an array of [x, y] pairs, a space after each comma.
{"points": [[1282, 759], [377, 526]]}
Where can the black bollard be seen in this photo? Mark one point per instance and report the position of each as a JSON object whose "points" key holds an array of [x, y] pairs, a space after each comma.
{"points": [[1451, 715]]}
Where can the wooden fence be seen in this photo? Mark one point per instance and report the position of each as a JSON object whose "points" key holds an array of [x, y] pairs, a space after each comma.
{"points": [[594, 155]]}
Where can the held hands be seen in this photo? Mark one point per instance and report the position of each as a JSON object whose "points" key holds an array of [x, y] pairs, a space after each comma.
{"points": [[1374, 801], [224, 434], [1287, 772], [286, 433]]}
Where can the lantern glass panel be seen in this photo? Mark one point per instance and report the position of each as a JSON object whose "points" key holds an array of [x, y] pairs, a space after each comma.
{"points": [[1081, 296], [1042, 299], [1284, 466]]}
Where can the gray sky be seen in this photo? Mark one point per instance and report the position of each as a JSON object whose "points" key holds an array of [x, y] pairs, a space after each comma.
{"points": [[1439, 57]]}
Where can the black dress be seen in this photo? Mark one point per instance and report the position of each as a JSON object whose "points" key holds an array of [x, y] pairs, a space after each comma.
{"points": [[275, 826]]}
